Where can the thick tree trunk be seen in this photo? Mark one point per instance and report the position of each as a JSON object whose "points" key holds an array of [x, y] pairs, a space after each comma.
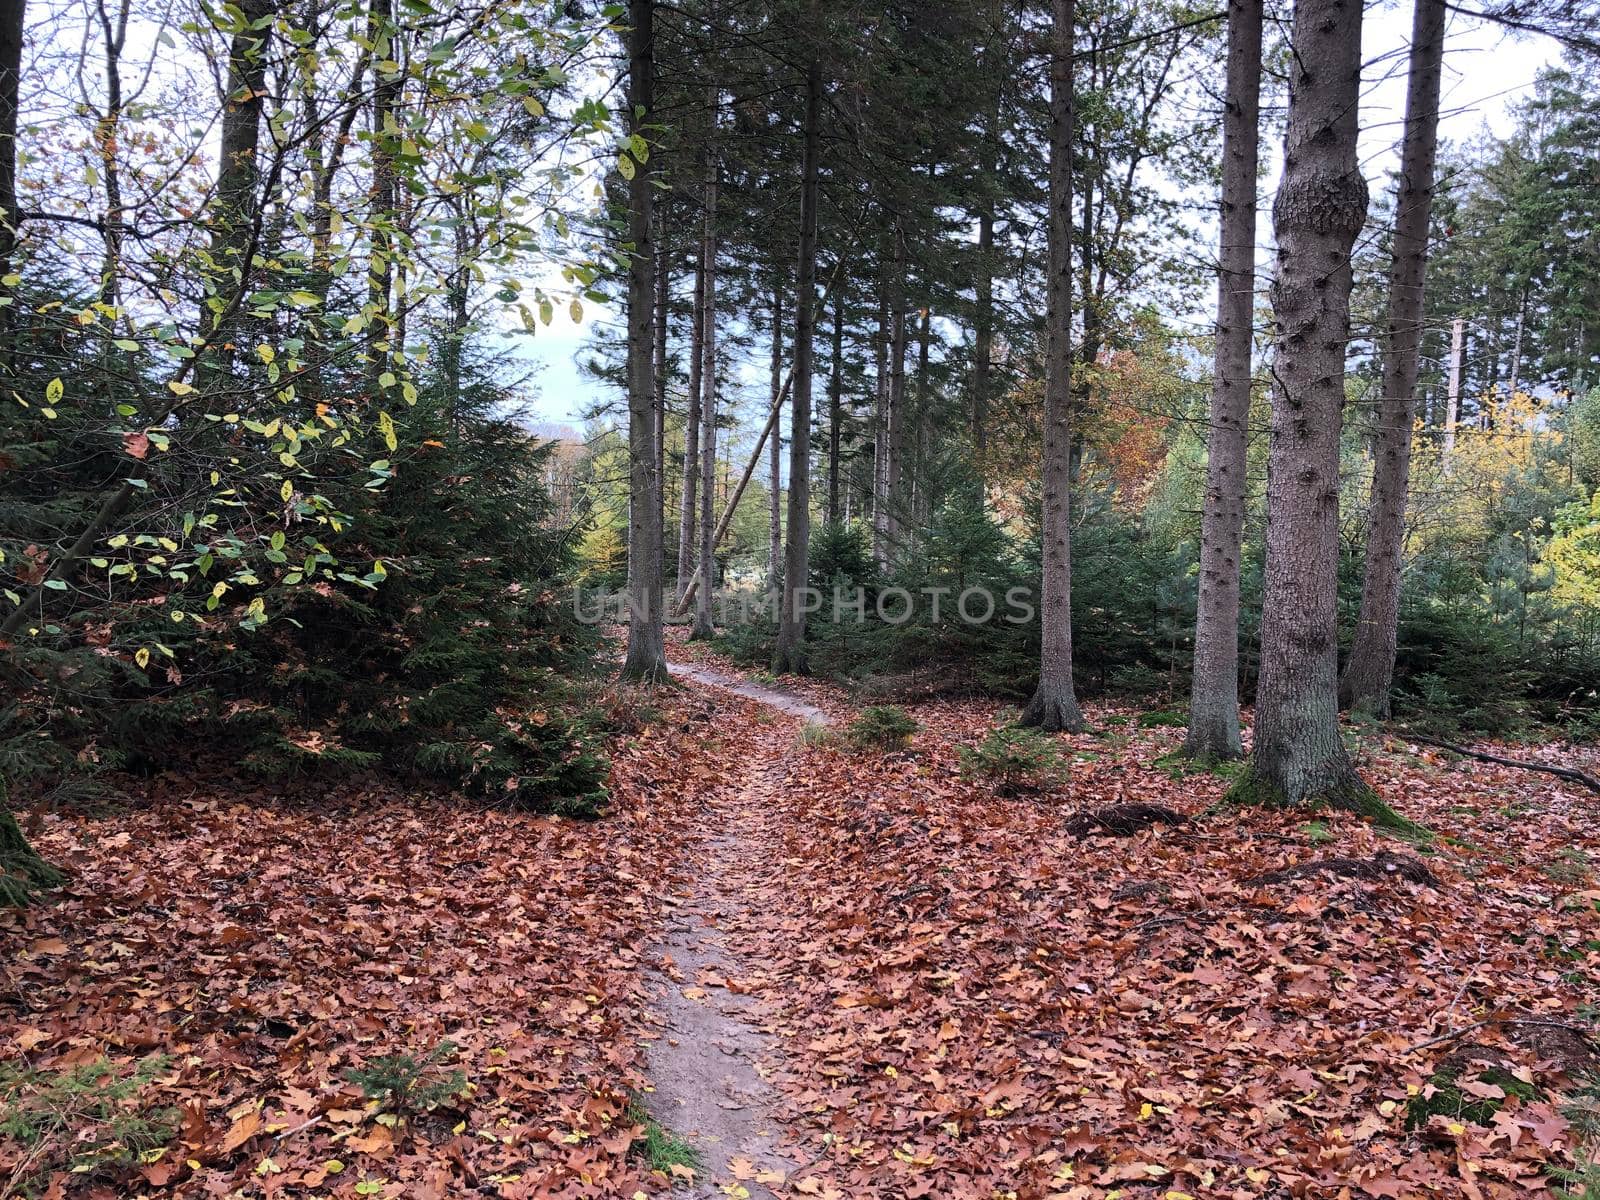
{"points": [[1054, 705], [1299, 758], [790, 654], [646, 658], [704, 627], [691, 425], [1214, 694], [1369, 673], [11, 24], [22, 871], [775, 452], [663, 317], [835, 408]]}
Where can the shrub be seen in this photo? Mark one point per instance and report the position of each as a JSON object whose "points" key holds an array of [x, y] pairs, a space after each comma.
{"points": [[90, 1119], [1016, 759], [881, 727], [408, 1086]]}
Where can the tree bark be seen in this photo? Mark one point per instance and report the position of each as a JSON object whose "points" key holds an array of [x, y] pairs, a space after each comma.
{"points": [[691, 425], [704, 627], [880, 429], [895, 404], [1369, 673], [1299, 758], [384, 219], [1054, 705], [775, 451], [237, 196], [12, 13], [835, 408], [1214, 694], [790, 653], [663, 315], [646, 657]]}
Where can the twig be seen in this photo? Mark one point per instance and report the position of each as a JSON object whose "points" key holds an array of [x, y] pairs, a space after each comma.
{"points": [[1571, 774]]}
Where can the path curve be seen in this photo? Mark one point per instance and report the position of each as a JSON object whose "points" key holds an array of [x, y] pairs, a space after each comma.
{"points": [[705, 1068]]}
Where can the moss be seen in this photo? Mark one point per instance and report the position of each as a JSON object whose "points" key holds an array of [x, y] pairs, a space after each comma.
{"points": [[1252, 790], [22, 872], [1443, 1097]]}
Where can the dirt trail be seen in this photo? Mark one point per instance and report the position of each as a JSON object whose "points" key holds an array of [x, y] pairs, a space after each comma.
{"points": [[706, 1067]]}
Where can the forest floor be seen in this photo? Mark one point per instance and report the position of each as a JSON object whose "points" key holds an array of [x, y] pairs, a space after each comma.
{"points": [[831, 973]]}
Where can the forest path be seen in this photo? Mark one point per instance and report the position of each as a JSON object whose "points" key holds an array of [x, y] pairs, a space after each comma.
{"points": [[706, 1068]]}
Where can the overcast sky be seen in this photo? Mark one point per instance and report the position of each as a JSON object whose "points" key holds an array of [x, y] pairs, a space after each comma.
{"points": [[1485, 72]]}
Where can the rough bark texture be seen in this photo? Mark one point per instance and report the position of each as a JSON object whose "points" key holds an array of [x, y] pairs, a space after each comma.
{"points": [[646, 657], [1054, 705], [1369, 673], [663, 320], [1214, 694], [894, 435], [1299, 758], [880, 431], [790, 652]]}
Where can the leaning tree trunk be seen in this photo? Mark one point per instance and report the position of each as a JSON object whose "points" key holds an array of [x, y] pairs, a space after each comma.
{"points": [[1369, 673], [1054, 705], [1299, 758], [1214, 695], [790, 655], [646, 658]]}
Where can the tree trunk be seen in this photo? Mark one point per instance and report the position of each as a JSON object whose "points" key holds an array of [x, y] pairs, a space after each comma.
{"points": [[663, 313], [385, 195], [895, 405], [835, 408], [646, 658], [775, 452], [703, 624], [238, 173], [11, 23], [880, 430], [790, 654], [1369, 674], [1214, 694], [1299, 757], [921, 503], [1452, 411], [691, 425], [1054, 705]]}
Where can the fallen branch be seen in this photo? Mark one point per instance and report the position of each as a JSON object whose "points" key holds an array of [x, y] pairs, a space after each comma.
{"points": [[1572, 774]]}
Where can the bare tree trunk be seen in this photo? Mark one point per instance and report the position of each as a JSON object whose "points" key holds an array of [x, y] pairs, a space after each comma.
{"points": [[790, 653], [1299, 758], [703, 624], [880, 430], [1369, 673], [775, 451], [895, 405], [238, 174], [12, 13], [646, 658], [1452, 412], [921, 503], [1054, 705], [1214, 694], [663, 307], [691, 425], [381, 333], [835, 408]]}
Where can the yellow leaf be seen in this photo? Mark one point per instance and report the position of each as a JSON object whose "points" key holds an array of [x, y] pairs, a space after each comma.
{"points": [[178, 388], [142, 657]]}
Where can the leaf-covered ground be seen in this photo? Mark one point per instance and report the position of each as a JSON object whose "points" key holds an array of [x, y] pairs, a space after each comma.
{"points": [[963, 998]]}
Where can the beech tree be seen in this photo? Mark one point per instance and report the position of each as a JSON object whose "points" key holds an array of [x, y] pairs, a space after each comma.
{"points": [[1369, 673]]}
